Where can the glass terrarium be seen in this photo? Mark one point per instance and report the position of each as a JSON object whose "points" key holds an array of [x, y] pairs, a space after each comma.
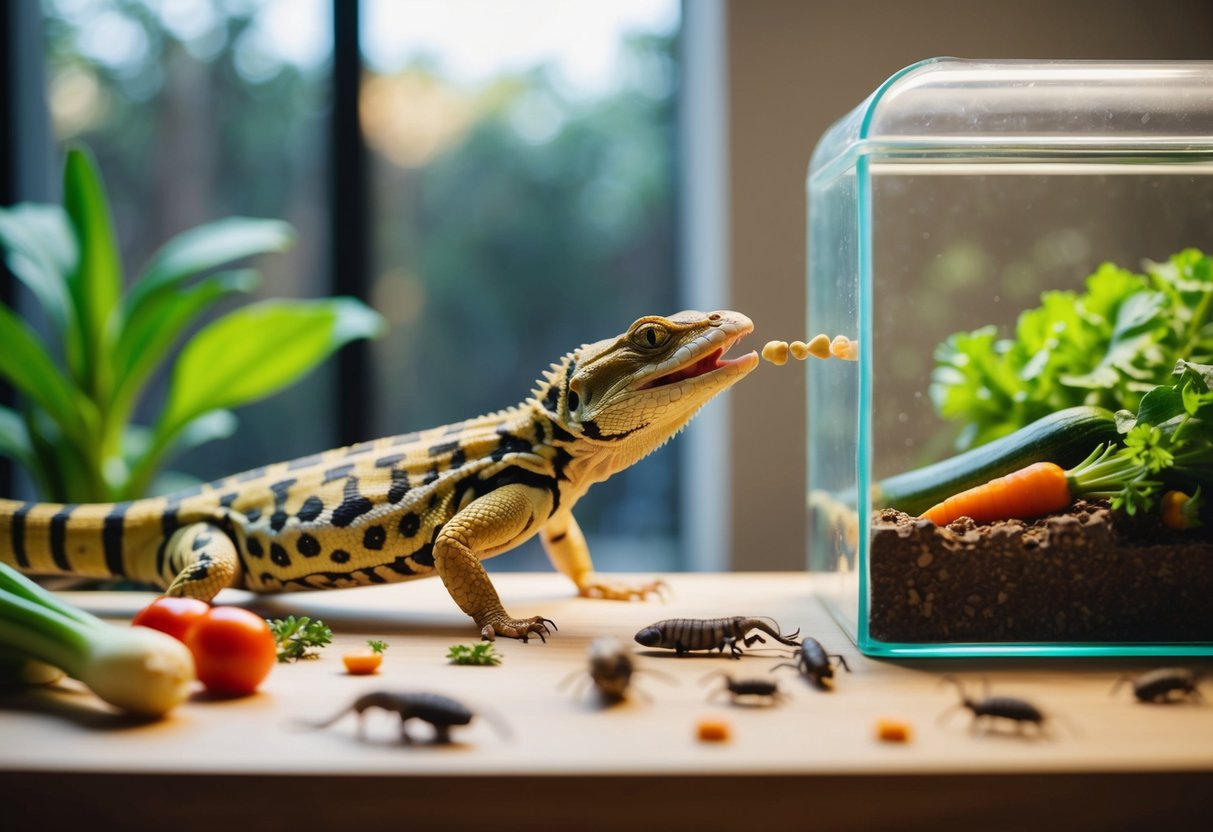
{"points": [[961, 223]]}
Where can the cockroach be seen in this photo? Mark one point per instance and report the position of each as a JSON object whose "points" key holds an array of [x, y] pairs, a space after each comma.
{"points": [[440, 711], [1158, 685], [761, 688], [611, 667], [814, 663], [683, 635], [1019, 711]]}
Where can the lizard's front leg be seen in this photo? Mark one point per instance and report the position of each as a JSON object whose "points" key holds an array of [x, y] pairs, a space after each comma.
{"points": [[567, 549], [200, 559], [487, 523]]}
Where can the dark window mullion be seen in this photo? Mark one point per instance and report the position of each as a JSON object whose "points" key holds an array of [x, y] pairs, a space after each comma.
{"points": [[25, 142], [348, 211]]}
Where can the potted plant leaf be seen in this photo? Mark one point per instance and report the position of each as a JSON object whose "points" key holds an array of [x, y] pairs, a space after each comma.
{"points": [[79, 386]]}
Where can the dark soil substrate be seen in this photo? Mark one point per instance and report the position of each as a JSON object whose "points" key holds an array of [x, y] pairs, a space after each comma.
{"points": [[1087, 575]]}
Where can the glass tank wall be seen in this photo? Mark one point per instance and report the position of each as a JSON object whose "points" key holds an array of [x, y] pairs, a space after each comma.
{"points": [[958, 197]]}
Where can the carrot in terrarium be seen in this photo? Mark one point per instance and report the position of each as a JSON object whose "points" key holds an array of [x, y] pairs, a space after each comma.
{"points": [[1045, 488]]}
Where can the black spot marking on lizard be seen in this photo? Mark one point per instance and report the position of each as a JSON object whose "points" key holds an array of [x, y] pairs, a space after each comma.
{"points": [[409, 524], [425, 555], [590, 428], [373, 576], [304, 462], [551, 400], [389, 460], [308, 546], [254, 547], [279, 555], [352, 507], [311, 509], [431, 477], [339, 556], [200, 541], [337, 473], [255, 473], [359, 448], [17, 534], [401, 566], [111, 538], [227, 499], [559, 434], [374, 538], [443, 448], [537, 428], [559, 462], [282, 489], [458, 458], [399, 487], [59, 538], [253, 515], [278, 520], [168, 526]]}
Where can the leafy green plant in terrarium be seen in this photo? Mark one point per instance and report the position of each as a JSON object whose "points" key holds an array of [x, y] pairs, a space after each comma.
{"points": [[80, 387], [1107, 346]]}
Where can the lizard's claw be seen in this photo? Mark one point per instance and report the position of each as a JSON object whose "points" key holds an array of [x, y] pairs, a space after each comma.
{"points": [[520, 628], [617, 591]]}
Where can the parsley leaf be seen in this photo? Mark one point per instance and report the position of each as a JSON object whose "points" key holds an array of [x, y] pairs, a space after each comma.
{"points": [[295, 637]]}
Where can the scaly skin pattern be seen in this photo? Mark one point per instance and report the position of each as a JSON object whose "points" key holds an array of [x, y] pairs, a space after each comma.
{"points": [[405, 507]]}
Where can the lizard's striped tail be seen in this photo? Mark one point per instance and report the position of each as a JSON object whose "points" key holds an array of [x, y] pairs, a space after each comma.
{"points": [[97, 540]]}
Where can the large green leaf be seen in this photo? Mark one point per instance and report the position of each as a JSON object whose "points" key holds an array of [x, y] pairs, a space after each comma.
{"points": [[27, 366], [207, 247], [151, 332], [41, 252], [14, 440], [96, 284], [258, 350]]}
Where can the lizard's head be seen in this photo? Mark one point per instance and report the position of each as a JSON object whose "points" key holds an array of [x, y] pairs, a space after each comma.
{"points": [[644, 385]]}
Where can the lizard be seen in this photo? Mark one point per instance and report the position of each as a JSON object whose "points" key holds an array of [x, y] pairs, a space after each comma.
{"points": [[415, 505]]}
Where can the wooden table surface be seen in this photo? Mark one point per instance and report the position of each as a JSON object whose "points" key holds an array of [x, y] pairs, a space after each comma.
{"points": [[567, 760]]}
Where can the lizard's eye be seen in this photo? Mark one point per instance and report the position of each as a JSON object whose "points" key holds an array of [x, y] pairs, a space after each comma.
{"points": [[650, 336]]}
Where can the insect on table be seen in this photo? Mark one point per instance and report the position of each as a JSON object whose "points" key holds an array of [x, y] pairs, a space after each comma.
{"points": [[1018, 711], [442, 712], [682, 635], [762, 689], [1158, 685], [814, 663]]}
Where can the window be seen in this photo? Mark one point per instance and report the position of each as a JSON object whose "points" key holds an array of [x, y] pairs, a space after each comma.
{"points": [[195, 111], [523, 200], [521, 194]]}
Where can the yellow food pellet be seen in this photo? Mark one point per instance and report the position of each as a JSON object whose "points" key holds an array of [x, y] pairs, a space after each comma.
{"points": [[713, 730], [799, 350], [819, 347], [892, 730], [844, 348], [776, 352]]}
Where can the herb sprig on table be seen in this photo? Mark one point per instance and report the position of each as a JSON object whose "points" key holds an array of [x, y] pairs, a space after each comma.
{"points": [[297, 637], [1108, 346], [482, 653]]}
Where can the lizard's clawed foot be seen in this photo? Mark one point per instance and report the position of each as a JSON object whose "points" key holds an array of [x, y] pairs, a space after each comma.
{"points": [[520, 628], [596, 587]]}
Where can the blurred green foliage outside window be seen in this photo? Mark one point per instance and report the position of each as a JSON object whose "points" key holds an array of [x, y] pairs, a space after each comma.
{"points": [[522, 185]]}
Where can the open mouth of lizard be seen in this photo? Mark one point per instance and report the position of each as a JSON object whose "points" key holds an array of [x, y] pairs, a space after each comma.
{"points": [[709, 363]]}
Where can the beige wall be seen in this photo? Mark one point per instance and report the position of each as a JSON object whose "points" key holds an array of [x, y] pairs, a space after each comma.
{"points": [[795, 67]]}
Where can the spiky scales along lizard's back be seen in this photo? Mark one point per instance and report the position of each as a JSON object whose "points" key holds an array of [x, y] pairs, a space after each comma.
{"points": [[405, 507]]}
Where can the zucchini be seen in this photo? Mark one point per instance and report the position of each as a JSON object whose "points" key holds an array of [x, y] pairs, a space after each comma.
{"points": [[1064, 438]]}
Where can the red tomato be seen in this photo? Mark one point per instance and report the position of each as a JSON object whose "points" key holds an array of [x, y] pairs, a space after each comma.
{"points": [[174, 616], [233, 650]]}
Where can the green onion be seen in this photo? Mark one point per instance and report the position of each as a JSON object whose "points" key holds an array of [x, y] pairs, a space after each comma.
{"points": [[136, 669]]}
